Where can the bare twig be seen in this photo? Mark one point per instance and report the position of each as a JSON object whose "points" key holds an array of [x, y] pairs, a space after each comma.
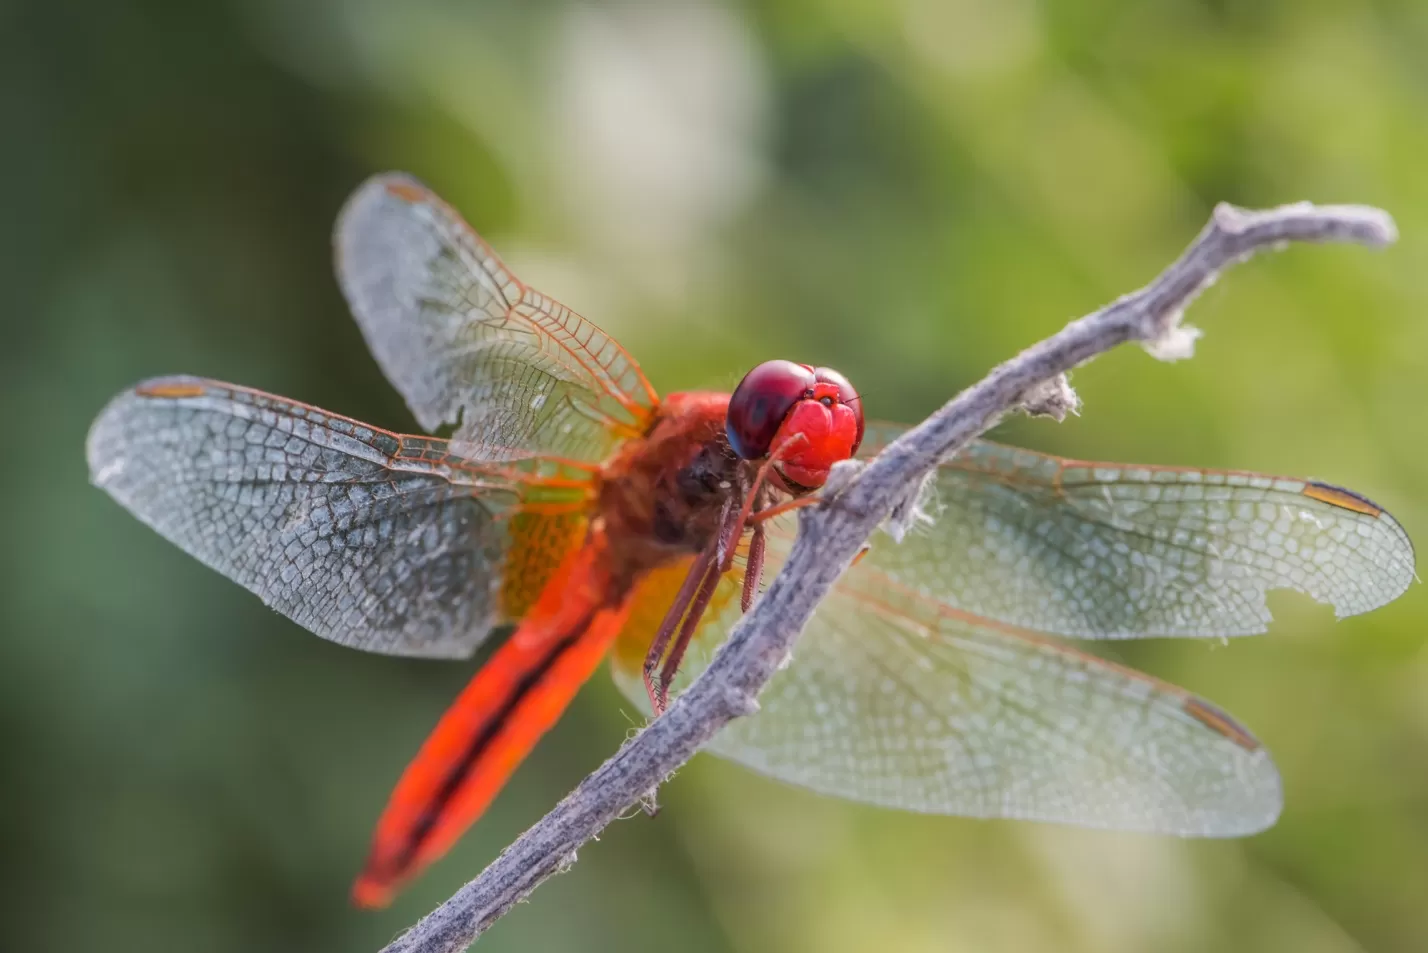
{"points": [[832, 533]]}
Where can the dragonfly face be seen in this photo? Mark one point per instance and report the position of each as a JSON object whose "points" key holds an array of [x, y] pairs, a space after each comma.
{"points": [[574, 503], [805, 418]]}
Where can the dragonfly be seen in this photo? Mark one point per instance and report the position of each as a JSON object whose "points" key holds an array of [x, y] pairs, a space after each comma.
{"points": [[579, 512]]}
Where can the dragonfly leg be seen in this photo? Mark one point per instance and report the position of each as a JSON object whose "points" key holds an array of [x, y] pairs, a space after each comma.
{"points": [[692, 583], [786, 506], [703, 579], [734, 529], [754, 567], [686, 632]]}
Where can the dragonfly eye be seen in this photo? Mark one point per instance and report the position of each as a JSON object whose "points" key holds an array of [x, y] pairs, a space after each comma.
{"points": [[760, 403]]}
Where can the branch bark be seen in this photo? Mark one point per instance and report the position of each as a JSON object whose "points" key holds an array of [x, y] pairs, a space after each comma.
{"points": [[831, 534]]}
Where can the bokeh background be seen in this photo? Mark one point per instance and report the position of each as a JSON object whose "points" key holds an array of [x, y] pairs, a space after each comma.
{"points": [[909, 190]]}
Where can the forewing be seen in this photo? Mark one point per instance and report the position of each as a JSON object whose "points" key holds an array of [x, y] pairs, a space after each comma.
{"points": [[892, 699], [1096, 550], [466, 343], [371, 539]]}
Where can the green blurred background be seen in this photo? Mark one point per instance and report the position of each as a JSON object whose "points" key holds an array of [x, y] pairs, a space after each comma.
{"points": [[909, 190]]}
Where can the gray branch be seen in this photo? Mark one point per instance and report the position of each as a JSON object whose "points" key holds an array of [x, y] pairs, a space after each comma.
{"points": [[831, 534]]}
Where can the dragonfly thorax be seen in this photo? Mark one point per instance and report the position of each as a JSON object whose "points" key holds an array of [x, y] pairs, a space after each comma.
{"points": [[663, 497]]}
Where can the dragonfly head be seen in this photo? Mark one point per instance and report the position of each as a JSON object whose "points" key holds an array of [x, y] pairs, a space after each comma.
{"points": [[809, 418]]}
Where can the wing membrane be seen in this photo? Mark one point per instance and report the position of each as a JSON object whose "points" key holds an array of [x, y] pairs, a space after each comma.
{"points": [[1108, 551], [465, 342], [924, 681], [368, 538], [895, 700]]}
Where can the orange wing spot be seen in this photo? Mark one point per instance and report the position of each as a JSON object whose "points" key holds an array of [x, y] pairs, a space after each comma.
{"points": [[539, 542], [1344, 499], [406, 191], [170, 390], [652, 599], [1220, 723]]}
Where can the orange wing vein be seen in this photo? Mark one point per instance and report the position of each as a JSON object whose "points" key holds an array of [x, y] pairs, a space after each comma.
{"points": [[466, 342]]}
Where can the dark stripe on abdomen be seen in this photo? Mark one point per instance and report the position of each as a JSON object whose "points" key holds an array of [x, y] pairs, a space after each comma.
{"points": [[461, 770]]}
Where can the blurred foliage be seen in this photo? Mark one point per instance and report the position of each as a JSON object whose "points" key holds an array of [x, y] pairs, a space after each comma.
{"points": [[908, 190]]}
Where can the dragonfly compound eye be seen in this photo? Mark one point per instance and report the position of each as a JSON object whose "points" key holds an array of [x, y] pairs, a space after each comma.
{"points": [[762, 401]]}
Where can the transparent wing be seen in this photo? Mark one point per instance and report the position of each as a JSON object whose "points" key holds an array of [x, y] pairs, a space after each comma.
{"points": [[895, 700], [923, 682], [374, 540], [465, 342], [1097, 550]]}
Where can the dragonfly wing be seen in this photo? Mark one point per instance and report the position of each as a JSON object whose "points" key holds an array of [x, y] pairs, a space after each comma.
{"points": [[467, 343], [1096, 550], [924, 682], [895, 700], [371, 539]]}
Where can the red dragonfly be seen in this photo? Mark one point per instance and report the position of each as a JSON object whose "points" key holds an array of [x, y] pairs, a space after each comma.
{"points": [[574, 503]]}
